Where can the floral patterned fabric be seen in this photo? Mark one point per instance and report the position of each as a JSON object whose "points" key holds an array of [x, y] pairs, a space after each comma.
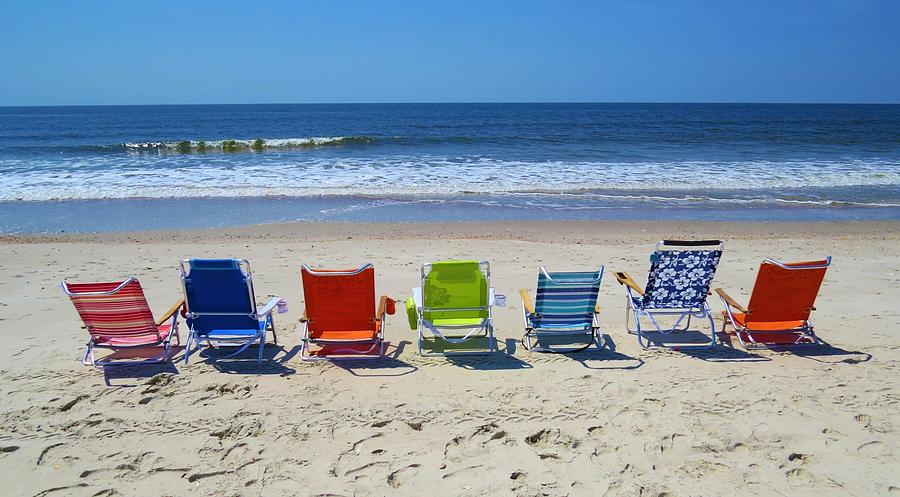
{"points": [[679, 279]]}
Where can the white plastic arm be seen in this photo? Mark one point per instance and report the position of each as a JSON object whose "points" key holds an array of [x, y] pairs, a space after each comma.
{"points": [[269, 307]]}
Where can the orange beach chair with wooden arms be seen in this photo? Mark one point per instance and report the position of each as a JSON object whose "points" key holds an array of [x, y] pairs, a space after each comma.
{"points": [[780, 305], [340, 319]]}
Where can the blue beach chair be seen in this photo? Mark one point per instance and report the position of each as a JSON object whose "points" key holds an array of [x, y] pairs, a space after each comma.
{"points": [[221, 306], [565, 309], [678, 285]]}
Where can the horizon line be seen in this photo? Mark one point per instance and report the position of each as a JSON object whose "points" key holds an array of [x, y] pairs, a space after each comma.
{"points": [[462, 103]]}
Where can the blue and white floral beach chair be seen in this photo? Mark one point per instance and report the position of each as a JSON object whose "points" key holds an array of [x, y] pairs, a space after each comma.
{"points": [[678, 284]]}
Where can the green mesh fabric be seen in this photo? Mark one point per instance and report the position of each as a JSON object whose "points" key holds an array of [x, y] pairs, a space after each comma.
{"points": [[455, 285]]}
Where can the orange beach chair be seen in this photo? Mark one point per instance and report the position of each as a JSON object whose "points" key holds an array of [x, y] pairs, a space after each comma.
{"points": [[340, 320], [780, 305]]}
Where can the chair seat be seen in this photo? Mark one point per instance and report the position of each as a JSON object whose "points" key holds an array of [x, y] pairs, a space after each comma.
{"points": [[343, 335], [563, 330], [226, 334], [550, 324], [135, 341], [639, 305], [740, 319], [457, 322]]}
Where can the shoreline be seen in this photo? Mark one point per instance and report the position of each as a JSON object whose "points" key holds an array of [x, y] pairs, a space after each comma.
{"points": [[128, 215], [567, 231]]}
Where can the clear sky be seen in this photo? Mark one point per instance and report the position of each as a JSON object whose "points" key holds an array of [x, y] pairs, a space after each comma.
{"points": [[147, 52]]}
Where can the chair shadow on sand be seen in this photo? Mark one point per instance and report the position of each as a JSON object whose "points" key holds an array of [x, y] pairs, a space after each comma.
{"points": [[605, 357], [387, 365], [811, 351], [113, 372], [724, 351], [692, 344], [246, 363], [824, 349], [498, 360]]}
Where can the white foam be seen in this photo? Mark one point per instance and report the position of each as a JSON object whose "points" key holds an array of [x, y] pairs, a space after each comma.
{"points": [[286, 174], [245, 145]]}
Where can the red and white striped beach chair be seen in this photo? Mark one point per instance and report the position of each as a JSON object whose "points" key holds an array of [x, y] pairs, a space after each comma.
{"points": [[117, 317]]}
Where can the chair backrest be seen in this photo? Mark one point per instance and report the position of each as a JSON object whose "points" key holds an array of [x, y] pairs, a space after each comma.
{"points": [[113, 310], [567, 298], [786, 292], [339, 300], [681, 273], [219, 294], [456, 290]]}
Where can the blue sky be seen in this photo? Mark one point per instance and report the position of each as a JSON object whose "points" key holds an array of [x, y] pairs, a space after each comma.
{"points": [[129, 52]]}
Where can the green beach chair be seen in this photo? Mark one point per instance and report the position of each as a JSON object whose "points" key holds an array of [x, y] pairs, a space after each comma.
{"points": [[452, 309]]}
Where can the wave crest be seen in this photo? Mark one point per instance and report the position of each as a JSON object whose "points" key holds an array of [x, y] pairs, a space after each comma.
{"points": [[255, 145]]}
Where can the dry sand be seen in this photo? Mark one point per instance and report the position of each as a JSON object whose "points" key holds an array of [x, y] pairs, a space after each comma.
{"points": [[624, 422]]}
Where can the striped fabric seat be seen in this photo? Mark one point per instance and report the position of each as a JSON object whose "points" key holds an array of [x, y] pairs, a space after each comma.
{"points": [[116, 313], [565, 300]]}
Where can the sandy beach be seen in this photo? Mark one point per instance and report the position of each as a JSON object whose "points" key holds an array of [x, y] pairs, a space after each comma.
{"points": [[622, 421]]}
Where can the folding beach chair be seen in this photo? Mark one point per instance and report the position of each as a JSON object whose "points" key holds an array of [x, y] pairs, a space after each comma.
{"points": [[780, 304], [678, 285], [340, 316], [221, 306], [118, 318], [453, 304], [565, 308]]}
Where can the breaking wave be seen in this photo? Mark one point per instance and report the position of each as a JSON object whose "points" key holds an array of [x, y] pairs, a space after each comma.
{"points": [[857, 182], [254, 145]]}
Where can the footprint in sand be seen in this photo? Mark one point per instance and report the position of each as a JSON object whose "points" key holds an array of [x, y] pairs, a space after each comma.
{"points": [[403, 475], [872, 449], [553, 445], [475, 444], [799, 475]]}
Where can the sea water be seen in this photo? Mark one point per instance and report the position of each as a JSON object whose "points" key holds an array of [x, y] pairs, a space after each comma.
{"points": [[111, 168]]}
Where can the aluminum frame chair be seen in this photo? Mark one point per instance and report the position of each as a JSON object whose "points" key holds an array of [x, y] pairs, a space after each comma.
{"points": [[781, 301], [434, 309], [565, 307], [339, 317], [677, 285], [222, 309], [118, 318]]}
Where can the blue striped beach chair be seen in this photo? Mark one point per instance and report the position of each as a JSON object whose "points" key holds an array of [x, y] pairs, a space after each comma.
{"points": [[564, 312], [678, 285], [221, 306]]}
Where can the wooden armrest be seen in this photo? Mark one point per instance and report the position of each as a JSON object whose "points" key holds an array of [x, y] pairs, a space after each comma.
{"points": [[304, 319], [172, 310], [623, 279], [526, 300], [730, 301], [382, 306], [597, 308]]}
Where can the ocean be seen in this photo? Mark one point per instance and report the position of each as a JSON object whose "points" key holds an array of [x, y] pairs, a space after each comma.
{"points": [[114, 168]]}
